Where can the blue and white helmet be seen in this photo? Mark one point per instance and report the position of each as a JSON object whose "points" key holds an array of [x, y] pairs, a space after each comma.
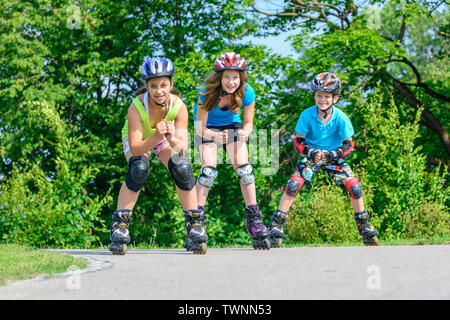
{"points": [[157, 67]]}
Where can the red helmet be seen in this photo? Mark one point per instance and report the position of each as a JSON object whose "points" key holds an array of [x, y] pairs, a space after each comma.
{"points": [[327, 82], [230, 61]]}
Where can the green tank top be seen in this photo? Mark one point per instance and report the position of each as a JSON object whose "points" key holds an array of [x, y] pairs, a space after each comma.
{"points": [[148, 131]]}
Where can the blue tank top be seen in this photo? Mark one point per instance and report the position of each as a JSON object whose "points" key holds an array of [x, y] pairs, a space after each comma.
{"points": [[218, 117]]}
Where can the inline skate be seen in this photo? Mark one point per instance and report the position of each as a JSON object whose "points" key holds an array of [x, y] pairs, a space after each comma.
{"points": [[365, 229], [119, 235], [196, 237], [256, 228], [276, 228]]}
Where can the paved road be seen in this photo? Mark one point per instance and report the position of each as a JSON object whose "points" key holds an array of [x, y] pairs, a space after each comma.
{"points": [[410, 272]]}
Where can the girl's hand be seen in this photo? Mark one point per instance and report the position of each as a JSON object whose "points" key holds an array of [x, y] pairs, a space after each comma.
{"points": [[243, 135], [170, 130], [222, 137], [161, 129]]}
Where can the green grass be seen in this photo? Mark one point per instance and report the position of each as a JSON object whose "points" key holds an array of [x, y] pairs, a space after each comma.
{"points": [[19, 262]]}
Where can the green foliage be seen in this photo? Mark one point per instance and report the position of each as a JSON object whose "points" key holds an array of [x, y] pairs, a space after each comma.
{"points": [[322, 212], [408, 198], [51, 208]]}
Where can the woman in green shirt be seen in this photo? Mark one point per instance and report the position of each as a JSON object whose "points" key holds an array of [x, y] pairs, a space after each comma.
{"points": [[157, 122]]}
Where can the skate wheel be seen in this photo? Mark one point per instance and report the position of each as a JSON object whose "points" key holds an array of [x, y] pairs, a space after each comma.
{"points": [[373, 242], [266, 244], [124, 249], [275, 242], [118, 249], [201, 249]]}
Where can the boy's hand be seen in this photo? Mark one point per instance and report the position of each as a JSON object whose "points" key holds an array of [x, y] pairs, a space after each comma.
{"points": [[318, 156], [324, 157], [330, 156], [314, 155]]}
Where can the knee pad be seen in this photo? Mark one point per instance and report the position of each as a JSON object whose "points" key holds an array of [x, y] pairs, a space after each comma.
{"points": [[295, 183], [137, 173], [181, 171], [354, 188], [245, 174], [207, 176]]}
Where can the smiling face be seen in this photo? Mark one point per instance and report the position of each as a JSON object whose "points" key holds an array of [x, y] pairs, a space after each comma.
{"points": [[159, 88], [324, 100], [230, 80]]}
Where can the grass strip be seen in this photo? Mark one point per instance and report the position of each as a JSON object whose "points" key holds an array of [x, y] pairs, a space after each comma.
{"points": [[18, 262]]}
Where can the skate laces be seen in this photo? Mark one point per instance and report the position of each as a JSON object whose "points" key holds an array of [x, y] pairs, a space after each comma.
{"points": [[121, 226], [279, 218], [197, 220], [122, 215], [362, 222], [254, 216]]}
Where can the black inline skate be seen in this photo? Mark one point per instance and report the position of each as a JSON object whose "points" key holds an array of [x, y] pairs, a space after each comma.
{"points": [[365, 229], [196, 236], [276, 228], [256, 228], [119, 235]]}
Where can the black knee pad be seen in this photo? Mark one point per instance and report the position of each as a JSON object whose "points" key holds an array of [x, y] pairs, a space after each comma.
{"points": [[137, 173], [295, 183], [354, 188], [181, 171], [207, 176], [245, 174]]}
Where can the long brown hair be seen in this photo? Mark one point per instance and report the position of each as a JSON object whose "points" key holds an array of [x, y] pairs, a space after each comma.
{"points": [[143, 89], [213, 92]]}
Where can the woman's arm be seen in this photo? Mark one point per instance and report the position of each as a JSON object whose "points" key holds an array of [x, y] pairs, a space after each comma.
{"points": [[201, 129], [137, 145], [249, 112], [177, 133]]}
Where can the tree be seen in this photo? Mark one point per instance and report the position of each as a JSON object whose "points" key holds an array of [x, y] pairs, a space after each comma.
{"points": [[401, 44]]}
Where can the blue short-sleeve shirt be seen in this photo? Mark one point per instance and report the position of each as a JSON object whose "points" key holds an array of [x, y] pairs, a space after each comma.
{"points": [[217, 117], [327, 136]]}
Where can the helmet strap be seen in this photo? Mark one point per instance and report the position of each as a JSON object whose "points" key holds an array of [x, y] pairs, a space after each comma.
{"points": [[325, 112], [159, 104]]}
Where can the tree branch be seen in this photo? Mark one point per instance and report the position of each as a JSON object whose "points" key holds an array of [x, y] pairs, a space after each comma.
{"points": [[313, 6], [430, 120], [419, 83]]}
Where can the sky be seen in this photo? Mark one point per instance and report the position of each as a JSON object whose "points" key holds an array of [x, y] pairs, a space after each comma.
{"points": [[277, 43]]}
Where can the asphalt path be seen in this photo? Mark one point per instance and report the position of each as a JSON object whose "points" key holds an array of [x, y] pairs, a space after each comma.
{"points": [[362, 273]]}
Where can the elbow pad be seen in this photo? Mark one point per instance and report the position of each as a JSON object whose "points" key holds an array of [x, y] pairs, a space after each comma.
{"points": [[347, 148], [301, 146]]}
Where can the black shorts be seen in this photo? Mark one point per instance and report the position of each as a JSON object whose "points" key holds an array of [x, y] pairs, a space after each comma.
{"points": [[232, 134]]}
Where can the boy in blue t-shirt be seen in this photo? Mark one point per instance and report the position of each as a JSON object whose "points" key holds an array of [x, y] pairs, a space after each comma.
{"points": [[323, 139]]}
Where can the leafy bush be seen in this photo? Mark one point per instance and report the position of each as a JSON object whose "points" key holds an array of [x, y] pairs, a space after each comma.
{"points": [[52, 207], [407, 196], [323, 213]]}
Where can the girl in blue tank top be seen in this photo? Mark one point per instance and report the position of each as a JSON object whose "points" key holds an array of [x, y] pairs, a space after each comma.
{"points": [[217, 122]]}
